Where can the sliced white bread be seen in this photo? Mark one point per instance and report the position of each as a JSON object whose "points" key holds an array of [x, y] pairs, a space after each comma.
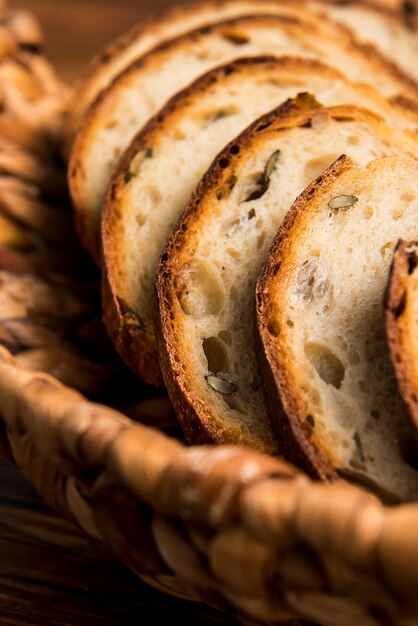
{"points": [[322, 324], [159, 171], [371, 21], [402, 330], [146, 85], [207, 274]]}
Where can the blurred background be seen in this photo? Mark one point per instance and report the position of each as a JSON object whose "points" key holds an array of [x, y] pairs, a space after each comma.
{"points": [[76, 29]]}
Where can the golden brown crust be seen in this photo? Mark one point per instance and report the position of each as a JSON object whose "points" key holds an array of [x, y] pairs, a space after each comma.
{"points": [[401, 323], [293, 425], [133, 341]]}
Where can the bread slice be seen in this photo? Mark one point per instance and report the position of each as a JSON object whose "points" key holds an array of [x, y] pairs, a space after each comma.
{"points": [[322, 323], [147, 195], [141, 90], [207, 275], [380, 26], [402, 331], [371, 21]]}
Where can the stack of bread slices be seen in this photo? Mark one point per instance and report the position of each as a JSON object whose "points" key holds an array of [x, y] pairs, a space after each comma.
{"points": [[241, 171]]}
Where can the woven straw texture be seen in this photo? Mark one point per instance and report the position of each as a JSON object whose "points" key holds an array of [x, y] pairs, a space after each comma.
{"points": [[245, 533]]}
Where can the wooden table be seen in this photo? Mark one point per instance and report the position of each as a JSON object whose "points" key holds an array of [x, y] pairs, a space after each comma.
{"points": [[50, 573]]}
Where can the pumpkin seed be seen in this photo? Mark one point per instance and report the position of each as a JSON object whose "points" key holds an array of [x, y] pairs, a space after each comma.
{"points": [[342, 203], [220, 385], [263, 182]]}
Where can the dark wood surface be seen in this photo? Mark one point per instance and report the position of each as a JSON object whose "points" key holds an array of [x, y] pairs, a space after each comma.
{"points": [[50, 573]]}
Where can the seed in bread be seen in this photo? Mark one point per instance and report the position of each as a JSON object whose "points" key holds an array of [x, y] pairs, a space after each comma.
{"points": [[322, 324]]}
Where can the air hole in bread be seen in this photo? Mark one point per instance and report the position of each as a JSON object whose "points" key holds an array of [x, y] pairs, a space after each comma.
{"points": [[308, 425], [368, 212], [398, 213], [198, 290], [315, 167], [313, 283], [216, 355], [238, 39], [111, 124], [234, 253], [310, 420], [261, 239], [273, 327], [412, 262], [225, 190], [326, 363], [141, 218], [387, 249], [232, 227], [408, 196]]}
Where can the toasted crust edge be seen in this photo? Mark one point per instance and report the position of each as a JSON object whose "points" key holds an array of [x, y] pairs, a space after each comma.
{"points": [[399, 292]]}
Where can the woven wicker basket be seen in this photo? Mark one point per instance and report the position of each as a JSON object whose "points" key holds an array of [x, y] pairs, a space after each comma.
{"points": [[241, 531]]}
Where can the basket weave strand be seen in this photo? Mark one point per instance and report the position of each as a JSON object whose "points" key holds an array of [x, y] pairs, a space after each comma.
{"points": [[307, 549]]}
